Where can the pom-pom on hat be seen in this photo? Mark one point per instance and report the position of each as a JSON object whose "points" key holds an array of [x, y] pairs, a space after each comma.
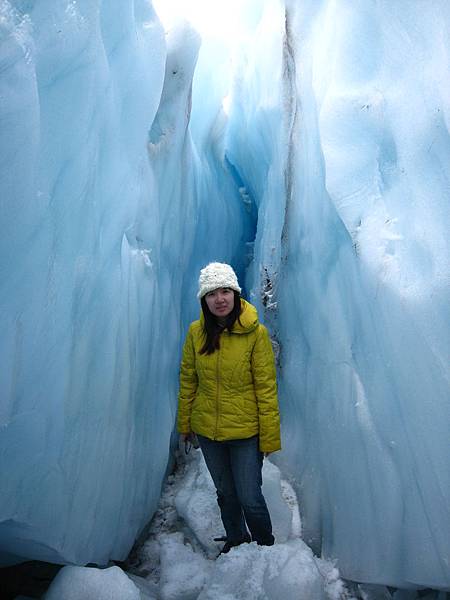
{"points": [[217, 275]]}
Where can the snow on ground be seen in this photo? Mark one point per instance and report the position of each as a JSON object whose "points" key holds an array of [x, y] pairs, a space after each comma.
{"points": [[180, 555], [84, 583], [179, 560]]}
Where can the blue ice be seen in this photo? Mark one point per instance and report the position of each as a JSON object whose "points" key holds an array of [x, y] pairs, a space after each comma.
{"points": [[104, 208], [325, 181]]}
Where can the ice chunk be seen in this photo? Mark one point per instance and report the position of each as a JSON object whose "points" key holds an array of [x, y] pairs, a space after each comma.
{"points": [[250, 572], [84, 583], [196, 503], [281, 514]]}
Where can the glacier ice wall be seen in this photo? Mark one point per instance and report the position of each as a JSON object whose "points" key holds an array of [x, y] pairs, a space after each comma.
{"points": [[78, 289], [102, 208], [336, 138], [339, 124]]}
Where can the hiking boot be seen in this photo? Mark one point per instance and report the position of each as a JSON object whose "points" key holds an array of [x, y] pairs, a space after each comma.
{"points": [[232, 544], [269, 541]]}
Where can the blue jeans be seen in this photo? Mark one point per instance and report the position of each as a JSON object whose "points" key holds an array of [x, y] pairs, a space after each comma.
{"points": [[235, 467]]}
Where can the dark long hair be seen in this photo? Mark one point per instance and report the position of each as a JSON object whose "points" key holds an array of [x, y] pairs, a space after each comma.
{"points": [[212, 329]]}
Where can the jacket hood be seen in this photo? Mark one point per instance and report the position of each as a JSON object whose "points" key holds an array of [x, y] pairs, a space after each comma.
{"points": [[248, 318]]}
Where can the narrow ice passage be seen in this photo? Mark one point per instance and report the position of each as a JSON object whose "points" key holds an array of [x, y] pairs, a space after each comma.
{"points": [[315, 158], [178, 560]]}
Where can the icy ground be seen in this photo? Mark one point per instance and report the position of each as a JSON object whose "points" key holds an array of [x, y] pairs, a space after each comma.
{"points": [[180, 553], [179, 559]]}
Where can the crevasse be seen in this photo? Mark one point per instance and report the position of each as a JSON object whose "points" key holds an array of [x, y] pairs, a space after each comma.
{"points": [[324, 180]]}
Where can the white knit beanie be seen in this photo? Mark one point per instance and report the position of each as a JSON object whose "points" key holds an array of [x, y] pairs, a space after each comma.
{"points": [[217, 275]]}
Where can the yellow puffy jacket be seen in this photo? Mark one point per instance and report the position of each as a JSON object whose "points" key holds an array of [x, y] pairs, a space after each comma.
{"points": [[231, 393]]}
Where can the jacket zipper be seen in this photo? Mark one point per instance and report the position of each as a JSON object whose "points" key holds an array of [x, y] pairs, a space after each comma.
{"points": [[218, 391]]}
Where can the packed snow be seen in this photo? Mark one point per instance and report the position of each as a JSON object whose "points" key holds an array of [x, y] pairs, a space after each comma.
{"points": [[179, 561], [85, 583], [182, 556]]}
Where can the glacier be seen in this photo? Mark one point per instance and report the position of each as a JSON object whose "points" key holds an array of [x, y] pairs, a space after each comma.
{"points": [[323, 178], [96, 239], [360, 278]]}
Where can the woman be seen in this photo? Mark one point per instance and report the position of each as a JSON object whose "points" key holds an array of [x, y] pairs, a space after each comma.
{"points": [[228, 397]]}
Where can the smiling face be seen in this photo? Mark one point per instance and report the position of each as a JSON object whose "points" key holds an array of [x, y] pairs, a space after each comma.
{"points": [[220, 302]]}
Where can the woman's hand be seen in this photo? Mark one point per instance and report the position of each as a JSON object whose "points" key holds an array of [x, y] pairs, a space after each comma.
{"points": [[189, 440]]}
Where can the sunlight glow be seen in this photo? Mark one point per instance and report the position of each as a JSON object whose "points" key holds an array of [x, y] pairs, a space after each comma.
{"points": [[211, 18], [226, 102]]}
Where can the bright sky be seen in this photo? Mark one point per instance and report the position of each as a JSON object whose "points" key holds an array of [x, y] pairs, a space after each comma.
{"points": [[215, 18]]}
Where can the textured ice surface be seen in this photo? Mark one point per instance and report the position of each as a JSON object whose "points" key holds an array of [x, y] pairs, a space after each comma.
{"points": [[78, 285], [337, 138], [103, 213], [342, 133]]}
